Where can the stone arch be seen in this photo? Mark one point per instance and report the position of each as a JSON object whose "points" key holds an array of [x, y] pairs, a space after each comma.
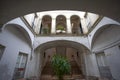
{"points": [[53, 43], [22, 30], [61, 26], [106, 36], [80, 48], [81, 40], [76, 24], [46, 24]]}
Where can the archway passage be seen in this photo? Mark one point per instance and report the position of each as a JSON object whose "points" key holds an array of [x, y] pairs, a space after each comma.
{"points": [[72, 56], [76, 25], [61, 24], [46, 25], [71, 50]]}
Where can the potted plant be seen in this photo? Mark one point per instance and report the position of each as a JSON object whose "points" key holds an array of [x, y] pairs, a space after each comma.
{"points": [[60, 28], [60, 66]]}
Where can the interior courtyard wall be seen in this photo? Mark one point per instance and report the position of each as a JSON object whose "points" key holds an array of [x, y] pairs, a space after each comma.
{"points": [[19, 21], [108, 41], [14, 43], [109, 36], [34, 65], [104, 21], [91, 65], [91, 18], [82, 40], [113, 60]]}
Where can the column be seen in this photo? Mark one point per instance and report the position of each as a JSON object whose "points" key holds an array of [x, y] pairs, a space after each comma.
{"points": [[84, 26], [91, 64], [53, 28], [69, 28]]}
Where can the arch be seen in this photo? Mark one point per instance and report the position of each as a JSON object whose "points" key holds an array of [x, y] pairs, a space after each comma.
{"points": [[108, 33], [60, 18], [22, 30], [79, 51], [46, 24], [46, 18], [67, 43], [76, 24], [75, 17], [81, 40], [61, 24]]}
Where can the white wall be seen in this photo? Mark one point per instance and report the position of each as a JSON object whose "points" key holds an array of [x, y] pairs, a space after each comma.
{"points": [[106, 41], [40, 40], [34, 64], [18, 21], [14, 42], [106, 38], [113, 61], [91, 65], [104, 21], [91, 19]]}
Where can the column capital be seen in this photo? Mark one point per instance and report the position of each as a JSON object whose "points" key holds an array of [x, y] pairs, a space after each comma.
{"points": [[69, 29], [53, 26], [67, 17]]}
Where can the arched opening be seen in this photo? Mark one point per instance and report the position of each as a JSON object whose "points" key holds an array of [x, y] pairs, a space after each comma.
{"points": [[73, 51], [76, 25], [61, 27], [105, 36], [103, 40], [20, 30], [105, 45], [46, 25]]}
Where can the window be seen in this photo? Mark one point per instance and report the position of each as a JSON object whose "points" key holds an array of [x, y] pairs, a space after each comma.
{"points": [[2, 48], [20, 66]]}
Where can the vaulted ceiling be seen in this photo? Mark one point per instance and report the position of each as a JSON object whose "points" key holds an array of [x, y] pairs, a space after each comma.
{"points": [[10, 9]]}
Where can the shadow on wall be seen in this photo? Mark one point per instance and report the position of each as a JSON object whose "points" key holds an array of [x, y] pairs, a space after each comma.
{"points": [[4, 72]]}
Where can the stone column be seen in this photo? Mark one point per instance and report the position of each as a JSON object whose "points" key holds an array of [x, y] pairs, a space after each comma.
{"points": [[53, 28], [69, 28], [91, 64]]}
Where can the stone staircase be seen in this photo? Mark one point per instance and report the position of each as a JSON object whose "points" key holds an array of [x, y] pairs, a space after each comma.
{"points": [[47, 70], [74, 68], [48, 74]]}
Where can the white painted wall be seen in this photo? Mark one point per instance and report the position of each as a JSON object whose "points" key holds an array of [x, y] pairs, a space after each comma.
{"points": [[14, 42], [91, 65], [18, 21], [93, 17], [40, 40], [113, 61], [30, 18], [107, 37], [104, 21], [33, 68]]}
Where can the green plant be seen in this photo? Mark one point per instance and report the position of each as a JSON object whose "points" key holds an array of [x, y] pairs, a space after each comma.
{"points": [[45, 31], [60, 27], [60, 66]]}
